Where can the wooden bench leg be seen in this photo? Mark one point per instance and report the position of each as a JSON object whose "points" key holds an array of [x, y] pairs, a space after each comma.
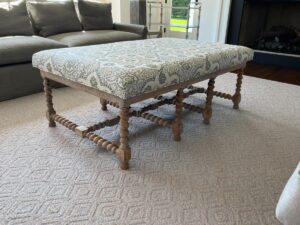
{"points": [[177, 123], [236, 98], [124, 151], [207, 111], [50, 109], [103, 103]]}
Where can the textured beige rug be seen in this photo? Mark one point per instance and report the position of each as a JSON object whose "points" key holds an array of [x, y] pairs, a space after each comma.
{"points": [[228, 173]]}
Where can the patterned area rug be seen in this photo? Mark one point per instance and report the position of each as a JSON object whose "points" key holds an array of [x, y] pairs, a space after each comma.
{"points": [[231, 172]]}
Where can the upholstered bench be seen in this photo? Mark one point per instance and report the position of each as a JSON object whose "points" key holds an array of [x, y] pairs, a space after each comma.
{"points": [[125, 73]]}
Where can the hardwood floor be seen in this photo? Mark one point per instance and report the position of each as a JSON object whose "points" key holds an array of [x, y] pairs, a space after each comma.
{"points": [[291, 76]]}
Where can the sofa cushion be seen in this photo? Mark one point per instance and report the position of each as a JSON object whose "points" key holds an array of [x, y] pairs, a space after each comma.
{"points": [[54, 17], [14, 19], [95, 15], [132, 28], [19, 49], [94, 37]]}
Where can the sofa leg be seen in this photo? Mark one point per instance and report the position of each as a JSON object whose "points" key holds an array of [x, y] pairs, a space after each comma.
{"points": [[103, 103], [124, 151], [177, 123], [50, 109], [207, 111], [236, 98]]}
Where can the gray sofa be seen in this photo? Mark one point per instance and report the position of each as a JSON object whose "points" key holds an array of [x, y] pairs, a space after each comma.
{"points": [[27, 27]]}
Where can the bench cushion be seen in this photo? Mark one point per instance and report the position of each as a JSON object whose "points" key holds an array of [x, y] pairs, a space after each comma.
{"points": [[94, 37], [19, 49], [129, 69]]}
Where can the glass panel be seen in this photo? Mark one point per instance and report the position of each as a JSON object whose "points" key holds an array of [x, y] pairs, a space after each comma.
{"points": [[179, 16]]}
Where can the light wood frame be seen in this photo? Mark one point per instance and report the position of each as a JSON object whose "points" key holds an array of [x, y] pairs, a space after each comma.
{"points": [[123, 150], [206, 111]]}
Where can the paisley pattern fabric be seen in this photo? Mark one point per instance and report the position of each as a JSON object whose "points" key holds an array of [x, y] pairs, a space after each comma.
{"points": [[129, 69]]}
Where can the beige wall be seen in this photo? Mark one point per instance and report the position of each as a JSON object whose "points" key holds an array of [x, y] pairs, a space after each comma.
{"points": [[214, 20], [120, 10]]}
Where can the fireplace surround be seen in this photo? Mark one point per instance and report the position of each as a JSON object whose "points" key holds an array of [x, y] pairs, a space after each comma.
{"points": [[271, 27]]}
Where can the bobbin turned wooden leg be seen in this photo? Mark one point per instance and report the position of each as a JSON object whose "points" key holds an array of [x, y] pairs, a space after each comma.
{"points": [[177, 123], [124, 151], [207, 111], [103, 103], [236, 98], [50, 109]]}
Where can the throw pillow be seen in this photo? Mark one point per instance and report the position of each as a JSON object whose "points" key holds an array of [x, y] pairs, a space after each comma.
{"points": [[53, 17], [14, 19], [95, 15]]}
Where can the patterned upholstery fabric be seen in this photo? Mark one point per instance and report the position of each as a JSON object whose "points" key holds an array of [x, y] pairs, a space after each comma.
{"points": [[129, 69]]}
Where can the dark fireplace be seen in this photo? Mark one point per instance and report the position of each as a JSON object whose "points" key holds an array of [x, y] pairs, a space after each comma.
{"points": [[270, 27]]}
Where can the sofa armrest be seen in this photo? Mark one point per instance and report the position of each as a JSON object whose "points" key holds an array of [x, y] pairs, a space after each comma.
{"points": [[133, 28]]}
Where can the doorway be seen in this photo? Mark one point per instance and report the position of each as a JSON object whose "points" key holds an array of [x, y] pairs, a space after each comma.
{"points": [[175, 18]]}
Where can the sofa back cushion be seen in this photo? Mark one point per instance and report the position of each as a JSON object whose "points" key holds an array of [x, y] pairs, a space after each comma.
{"points": [[95, 15], [14, 19], [53, 17]]}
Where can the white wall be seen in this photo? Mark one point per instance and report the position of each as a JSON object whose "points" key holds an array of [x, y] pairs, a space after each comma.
{"points": [[125, 11], [116, 10], [214, 20], [120, 10]]}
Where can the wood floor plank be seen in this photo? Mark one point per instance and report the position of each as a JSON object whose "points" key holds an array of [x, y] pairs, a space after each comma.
{"points": [[285, 75]]}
